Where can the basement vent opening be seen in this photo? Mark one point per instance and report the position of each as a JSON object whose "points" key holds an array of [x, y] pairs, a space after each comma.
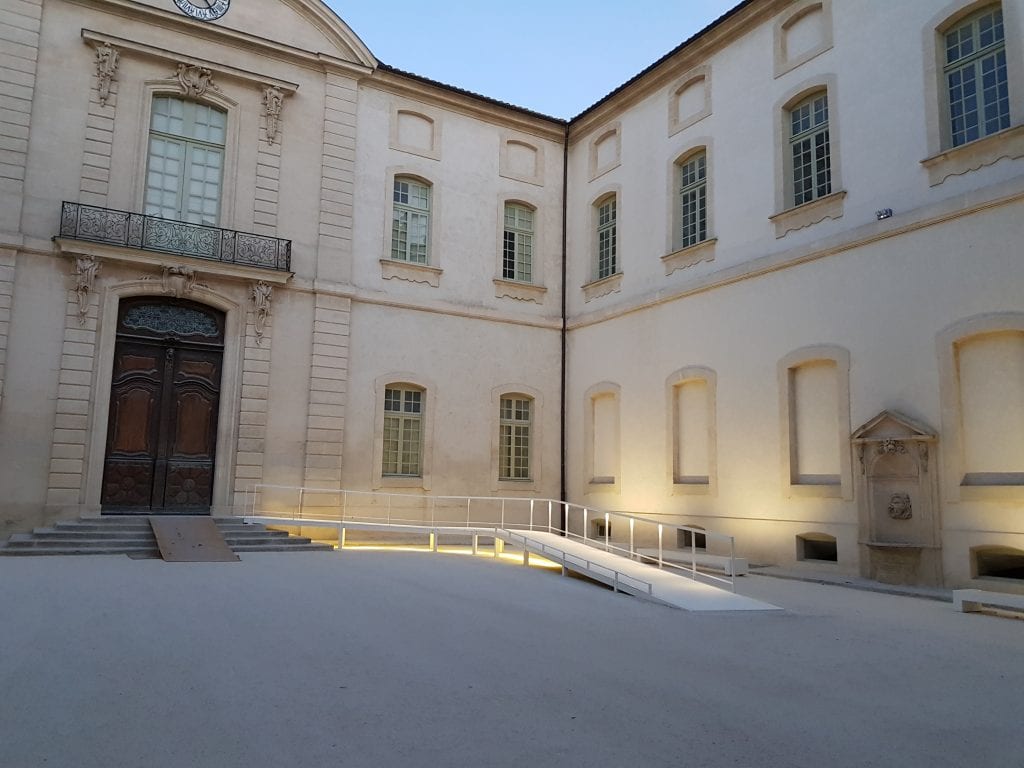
{"points": [[997, 563], [819, 547], [684, 539]]}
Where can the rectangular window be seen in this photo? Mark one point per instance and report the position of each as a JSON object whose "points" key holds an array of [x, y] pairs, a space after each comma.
{"points": [[514, 439], [403, 432], [517, 255], [606, 239], [976, 82], [811, 153], [693, 206], [410, 226], [185, 166]]}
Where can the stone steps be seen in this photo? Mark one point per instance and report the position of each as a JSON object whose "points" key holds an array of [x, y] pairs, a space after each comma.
{"points": [[122, 535]]}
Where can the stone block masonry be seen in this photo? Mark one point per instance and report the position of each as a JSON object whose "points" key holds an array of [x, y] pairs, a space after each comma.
{"points": [[328, 383], [19, 44]]}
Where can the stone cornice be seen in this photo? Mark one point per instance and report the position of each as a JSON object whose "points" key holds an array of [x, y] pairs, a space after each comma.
{"points": [[467, 104], [663, 73], [176, 22], [153, 259], [153, 52]]}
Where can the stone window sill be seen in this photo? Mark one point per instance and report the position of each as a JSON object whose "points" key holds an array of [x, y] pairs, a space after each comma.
{"points": [[974, 155], [414, 273], [695, 487], [602, 287], [513, 289], [827, 207], [831, 489], [401, 481], [689, 256]]}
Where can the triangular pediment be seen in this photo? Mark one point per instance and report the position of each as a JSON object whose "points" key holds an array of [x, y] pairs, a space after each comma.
{"points": [[892, 425]]}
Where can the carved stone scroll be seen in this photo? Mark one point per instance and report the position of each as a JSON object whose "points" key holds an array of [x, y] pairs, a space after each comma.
{"points": [[273, 101], [107, 57], [262, 295], [86, 268]]}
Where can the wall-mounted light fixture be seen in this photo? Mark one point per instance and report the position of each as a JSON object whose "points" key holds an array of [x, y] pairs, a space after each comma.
{"points": [[885, 213]]}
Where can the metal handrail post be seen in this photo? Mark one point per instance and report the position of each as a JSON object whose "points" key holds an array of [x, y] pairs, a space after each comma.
{"points": [[693, 555], [389, 509], [549, 515], [607, 530], [661, 531], [344, 504], [631, 548], [468, 502], [531, 514], [585, 514], [502, 513], [302, 500], [732, 562], [432, 505]]}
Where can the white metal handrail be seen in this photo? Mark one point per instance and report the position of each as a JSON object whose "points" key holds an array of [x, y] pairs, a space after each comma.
{"points": [[342, 511]]}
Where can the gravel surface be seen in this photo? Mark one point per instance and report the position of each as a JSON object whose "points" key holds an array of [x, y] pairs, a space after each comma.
{"points": [[414, 659]]}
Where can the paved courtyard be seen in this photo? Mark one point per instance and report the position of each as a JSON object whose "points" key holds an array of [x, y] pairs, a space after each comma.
{"points": [[413, 659]]}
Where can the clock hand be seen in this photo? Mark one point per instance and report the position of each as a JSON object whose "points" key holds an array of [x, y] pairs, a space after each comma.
{"points": [[209, 4]]}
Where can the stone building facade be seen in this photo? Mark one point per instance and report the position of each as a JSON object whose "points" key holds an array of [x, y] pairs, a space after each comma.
{"points": [[237, 249]]}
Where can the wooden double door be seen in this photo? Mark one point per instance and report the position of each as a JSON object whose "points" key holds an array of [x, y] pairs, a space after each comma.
{"points": [[164, 398]]}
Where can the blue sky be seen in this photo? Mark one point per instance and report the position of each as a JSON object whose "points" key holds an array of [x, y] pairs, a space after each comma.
{"points": [[554, 56]]}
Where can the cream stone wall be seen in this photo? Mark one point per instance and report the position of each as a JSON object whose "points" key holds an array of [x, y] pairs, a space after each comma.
{"points": [[717, 384], [773, 284]]}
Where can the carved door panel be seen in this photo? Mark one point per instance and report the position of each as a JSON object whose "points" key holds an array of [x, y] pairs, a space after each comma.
{"points": [[189, 439], [136, 395], [164, 398]]}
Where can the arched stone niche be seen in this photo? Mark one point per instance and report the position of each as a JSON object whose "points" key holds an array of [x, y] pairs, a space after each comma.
{"points": [[897, 494]]}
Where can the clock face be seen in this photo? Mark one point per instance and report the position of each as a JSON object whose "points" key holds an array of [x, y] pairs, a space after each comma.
{"points": [[204, 10]]}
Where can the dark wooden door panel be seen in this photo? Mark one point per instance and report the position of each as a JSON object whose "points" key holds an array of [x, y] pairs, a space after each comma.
{"points": [[164, 398], [192, 435], [133, 425]]}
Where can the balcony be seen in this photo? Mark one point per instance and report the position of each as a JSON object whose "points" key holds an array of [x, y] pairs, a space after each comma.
{"points": [[181, 238]]}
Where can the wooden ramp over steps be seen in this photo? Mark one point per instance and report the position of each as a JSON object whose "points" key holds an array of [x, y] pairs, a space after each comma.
{"points": [[133, 535], [191, 540]]}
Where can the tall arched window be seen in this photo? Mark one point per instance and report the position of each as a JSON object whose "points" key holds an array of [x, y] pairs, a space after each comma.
{"points": [[974, 67], [517, 243], [514, 439], [410, 224], [185, 166], [402, 454], [810, 149], [692, 200], [607, 237]]}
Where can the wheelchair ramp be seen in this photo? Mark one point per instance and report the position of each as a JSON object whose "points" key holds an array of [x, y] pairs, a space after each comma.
{"points": [[629, 576], [190, 540]]}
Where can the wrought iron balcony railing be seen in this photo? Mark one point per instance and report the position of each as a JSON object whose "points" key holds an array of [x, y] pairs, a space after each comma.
{"points": [[151, 233]]}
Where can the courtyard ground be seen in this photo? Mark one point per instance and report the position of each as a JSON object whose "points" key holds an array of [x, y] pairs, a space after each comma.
{"points": [[366, 658]]}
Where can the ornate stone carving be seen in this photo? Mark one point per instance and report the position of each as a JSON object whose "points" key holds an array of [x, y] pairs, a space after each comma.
{"points": [[899, 506], [106, 69], [86, 268], [892, 446], [273, 101], [178, 281], [194, 81], [922, 449], [262, 295]]}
